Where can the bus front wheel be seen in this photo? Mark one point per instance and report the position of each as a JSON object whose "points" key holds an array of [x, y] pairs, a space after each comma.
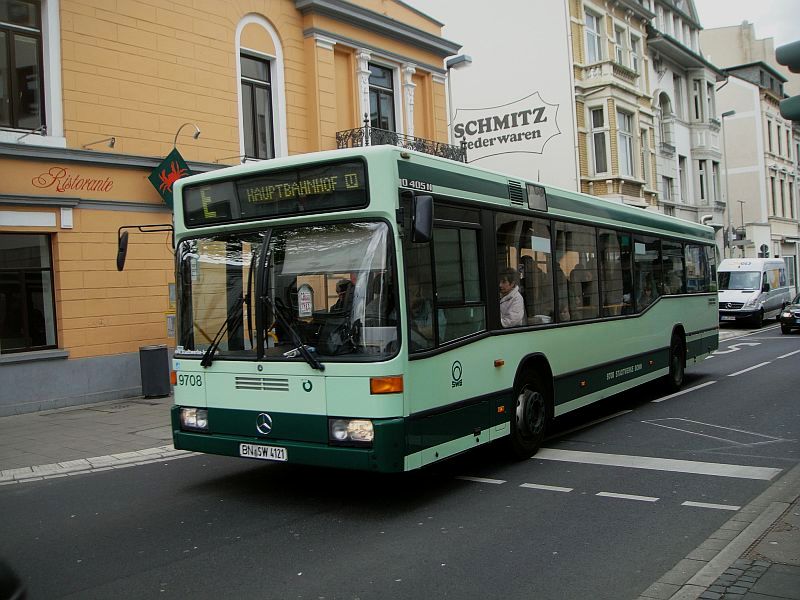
{"points": [[677, 363], [530, 418]]}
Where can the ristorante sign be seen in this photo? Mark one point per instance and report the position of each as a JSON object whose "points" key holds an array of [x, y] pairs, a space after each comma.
{"points": [[523, 126], [34, 178], [62, 179]]}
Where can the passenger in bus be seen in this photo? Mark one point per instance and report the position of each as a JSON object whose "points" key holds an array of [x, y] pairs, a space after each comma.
{"points": [[646, 297], [344, 291], [512, 306]]}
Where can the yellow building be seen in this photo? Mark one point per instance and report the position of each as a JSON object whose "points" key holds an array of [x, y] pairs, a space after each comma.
{"points": [[98, 93], [613, 108]]}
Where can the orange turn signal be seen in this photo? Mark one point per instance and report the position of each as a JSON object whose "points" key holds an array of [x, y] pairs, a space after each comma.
{"points": [[499, 362], [386, 385], [173, 377]]}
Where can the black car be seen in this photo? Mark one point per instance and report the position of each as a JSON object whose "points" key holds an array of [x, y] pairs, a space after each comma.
{"points": [[790, 316]]}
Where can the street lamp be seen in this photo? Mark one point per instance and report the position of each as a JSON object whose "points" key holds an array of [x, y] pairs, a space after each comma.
{"points": [[454, 62], [727, 113]]}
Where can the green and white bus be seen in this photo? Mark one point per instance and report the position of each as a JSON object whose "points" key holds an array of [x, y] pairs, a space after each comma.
{"points": [[342, 308]]}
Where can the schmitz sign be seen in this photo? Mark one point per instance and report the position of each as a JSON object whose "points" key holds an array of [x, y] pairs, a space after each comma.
{"points": [[525, 126]]}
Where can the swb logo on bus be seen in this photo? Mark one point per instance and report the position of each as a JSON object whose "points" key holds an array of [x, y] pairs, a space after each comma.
{"points": [[456, 372], [264, 423]]}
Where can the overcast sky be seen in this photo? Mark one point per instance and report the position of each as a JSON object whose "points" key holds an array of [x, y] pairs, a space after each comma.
{"points": [[779, 19]]}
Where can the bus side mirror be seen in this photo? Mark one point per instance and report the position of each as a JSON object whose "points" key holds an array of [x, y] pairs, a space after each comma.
{"points": [[422, 219], [122, 250], [765, 287]]}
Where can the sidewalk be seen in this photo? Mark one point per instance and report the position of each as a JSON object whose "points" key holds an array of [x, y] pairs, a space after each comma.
{"points": [[754, 556], [85, 438]]}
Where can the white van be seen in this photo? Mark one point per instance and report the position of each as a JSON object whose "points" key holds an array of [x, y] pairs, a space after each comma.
{"points": [[752, 289]]}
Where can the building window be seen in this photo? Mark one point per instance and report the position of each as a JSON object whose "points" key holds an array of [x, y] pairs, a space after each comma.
{"points": [[715, 180], [625, 143], [619, 46], [599, 141], [257, 108], [778, 137], [791, 200], [712, 111], [682, 177], [27, 308], [635, 49], [773, 196], [784, 208], [21, 77], [769, 135], [669, 211], [593, 47], [788, 143], [697, 100], [701, 171], [381, 97], [666, 189], [677, 83], [644, 155]]}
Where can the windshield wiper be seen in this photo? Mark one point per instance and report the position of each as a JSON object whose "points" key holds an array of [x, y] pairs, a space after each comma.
{"points": [[304, 351], [232, 321]]}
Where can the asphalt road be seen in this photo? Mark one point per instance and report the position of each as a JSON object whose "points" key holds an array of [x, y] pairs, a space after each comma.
{"points": [[622, 492]]}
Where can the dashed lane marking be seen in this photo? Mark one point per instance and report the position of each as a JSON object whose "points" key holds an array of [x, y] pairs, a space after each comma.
{"points": [[481, 479], [748, 369], [789, 354], [547, 488], [627, 497], [686, 391], [658, 464], [707, 505]]}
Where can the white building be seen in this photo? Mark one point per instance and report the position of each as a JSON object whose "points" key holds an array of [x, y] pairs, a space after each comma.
{"points": [[762, 147]]}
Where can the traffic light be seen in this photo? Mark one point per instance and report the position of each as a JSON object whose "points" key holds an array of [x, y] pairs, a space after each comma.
{"points": [[789, 56]]}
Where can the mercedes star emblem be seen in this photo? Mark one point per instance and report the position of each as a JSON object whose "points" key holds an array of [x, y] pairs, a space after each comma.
{"points": [[264, 423]]}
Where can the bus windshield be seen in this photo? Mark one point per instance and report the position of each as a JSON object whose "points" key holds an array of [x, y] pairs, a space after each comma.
{"points": [[330, 287], [739, 280]]}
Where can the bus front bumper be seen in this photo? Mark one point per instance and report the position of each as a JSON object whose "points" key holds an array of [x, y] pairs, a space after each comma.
{"points": [[386, 454]]}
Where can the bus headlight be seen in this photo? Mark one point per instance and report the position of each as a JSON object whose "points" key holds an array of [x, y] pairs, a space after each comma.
{"points": [[752, 303], [356, 432], [195, 419]]}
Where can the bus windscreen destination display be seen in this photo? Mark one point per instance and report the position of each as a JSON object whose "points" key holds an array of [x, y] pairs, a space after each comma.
{"points": [[282, 193]]}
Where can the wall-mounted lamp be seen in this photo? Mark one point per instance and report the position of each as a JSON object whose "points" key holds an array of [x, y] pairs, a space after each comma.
{"points": [[109, 141], [241, 158], [195, 135], [41, 130]]}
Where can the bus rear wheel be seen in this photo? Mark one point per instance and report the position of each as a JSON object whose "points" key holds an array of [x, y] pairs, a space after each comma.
{"points": [[530, 418], [677, 363]]}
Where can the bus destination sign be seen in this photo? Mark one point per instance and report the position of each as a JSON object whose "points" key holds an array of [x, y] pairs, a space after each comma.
{"points": [[277, 194]]}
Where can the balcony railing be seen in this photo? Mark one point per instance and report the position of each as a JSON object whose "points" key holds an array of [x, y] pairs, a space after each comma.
{"points": [[372, 136]]}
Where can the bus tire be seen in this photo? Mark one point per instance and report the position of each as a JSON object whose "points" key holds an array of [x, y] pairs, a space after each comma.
{"points": [[530, 417], [677, 363]]}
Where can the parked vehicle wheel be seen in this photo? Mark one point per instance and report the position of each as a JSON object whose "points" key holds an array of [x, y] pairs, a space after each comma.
{"points": [[677, 363], [531, 416], [785, 329], [758, 319]]}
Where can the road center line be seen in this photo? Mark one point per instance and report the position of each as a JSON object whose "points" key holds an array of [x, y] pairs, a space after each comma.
{"points": [[548, 488], [686, 391], [790, 354], [481, 479], [627, 497], [658, 464], [707, 505], [749, 369]]}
